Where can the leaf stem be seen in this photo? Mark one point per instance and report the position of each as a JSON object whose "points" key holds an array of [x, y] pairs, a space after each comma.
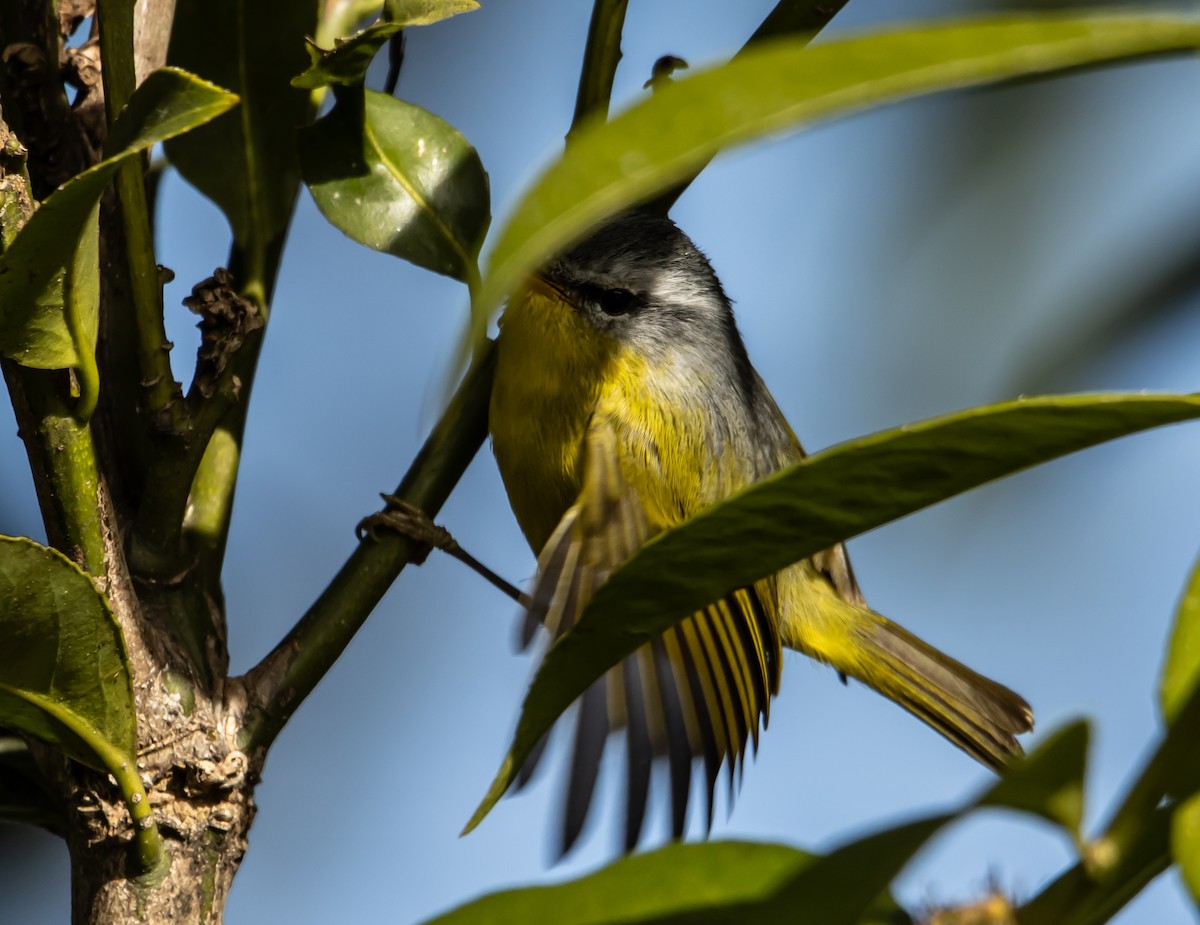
{"points": [[281, 681], [147, 840]]}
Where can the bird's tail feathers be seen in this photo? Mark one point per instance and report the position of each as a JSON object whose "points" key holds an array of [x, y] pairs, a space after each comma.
{"points": [[976, 713]]}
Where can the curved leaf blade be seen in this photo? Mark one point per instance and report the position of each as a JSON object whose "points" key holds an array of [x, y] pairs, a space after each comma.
{"points": [[400, 180], [824, 499], [64, 677], [723, 882], [33, 327], [1185, 844], [1182, 668], [838, 889], [674, 879], [347, 62], [778, 86]]}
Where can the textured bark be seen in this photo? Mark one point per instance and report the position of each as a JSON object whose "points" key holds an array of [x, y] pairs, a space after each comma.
{"points": [[199, 784]]}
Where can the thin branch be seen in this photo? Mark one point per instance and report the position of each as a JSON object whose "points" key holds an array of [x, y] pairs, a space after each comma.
{"points": [[280, 682], [161, 395], [600, 58]]}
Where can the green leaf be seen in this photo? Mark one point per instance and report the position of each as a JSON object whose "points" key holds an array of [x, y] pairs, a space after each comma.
{"points": [[1185, 844], [842, 887], [778, 86], [1048, 783], [822, 500], [673, 879], [733, 882], [713, 882], [64, 677], [347, 62], [81, 301], [400, 180], [33, 325], [1182, 668], [246, 162], [24, 796]]}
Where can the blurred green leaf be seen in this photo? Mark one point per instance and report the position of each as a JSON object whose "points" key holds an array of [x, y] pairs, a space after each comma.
{"points": [[347, 62], [64, 677], [1185, 844], [780, 85], [400, 180], [33, 324], [81, 299], [803, 509], [735, 882], [246, 162], [1182, 667], [24, 796], [845, 886], [676, 878], [716, 882], [1048, 783]]}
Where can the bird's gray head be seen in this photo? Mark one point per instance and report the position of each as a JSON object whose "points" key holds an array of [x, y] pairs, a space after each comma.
{"points": [[642, 281]]}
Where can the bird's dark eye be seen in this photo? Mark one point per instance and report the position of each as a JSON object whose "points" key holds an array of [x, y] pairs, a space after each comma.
{"points": [[616, 301]]}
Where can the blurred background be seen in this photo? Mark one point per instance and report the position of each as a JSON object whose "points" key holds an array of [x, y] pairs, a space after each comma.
{"points": [[903, 263]]}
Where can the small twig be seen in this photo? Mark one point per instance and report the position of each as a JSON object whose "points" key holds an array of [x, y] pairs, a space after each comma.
{"points": [[411, 521]]}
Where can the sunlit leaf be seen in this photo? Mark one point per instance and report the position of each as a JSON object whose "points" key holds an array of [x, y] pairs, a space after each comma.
{"points": [[347, 62], [1182, 668], [246, 162], [1185, 844], [33, 325], [808, 507], [400, 180], [64, 677], [781, 85]]}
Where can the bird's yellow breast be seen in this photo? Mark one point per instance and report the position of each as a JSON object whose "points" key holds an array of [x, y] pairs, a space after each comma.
{"points": [[554, 371], [549, 372]]}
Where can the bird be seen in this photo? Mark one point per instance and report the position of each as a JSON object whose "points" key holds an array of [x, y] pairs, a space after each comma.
{"points": [[624, 403]]}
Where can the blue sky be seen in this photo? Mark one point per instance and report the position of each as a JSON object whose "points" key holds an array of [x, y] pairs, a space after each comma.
{"points": [[885, 268]]}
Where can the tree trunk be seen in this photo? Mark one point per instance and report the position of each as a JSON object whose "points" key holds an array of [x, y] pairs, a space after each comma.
{"points": [[201, 788]]}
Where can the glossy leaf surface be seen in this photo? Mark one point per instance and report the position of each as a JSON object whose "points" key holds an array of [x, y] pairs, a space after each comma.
{"points": [[400, 180], [347, 62], [33, 324], [64, 676]]}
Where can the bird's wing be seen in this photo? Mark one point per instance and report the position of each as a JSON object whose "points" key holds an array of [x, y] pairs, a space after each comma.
{"points": [[698, 691]]}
